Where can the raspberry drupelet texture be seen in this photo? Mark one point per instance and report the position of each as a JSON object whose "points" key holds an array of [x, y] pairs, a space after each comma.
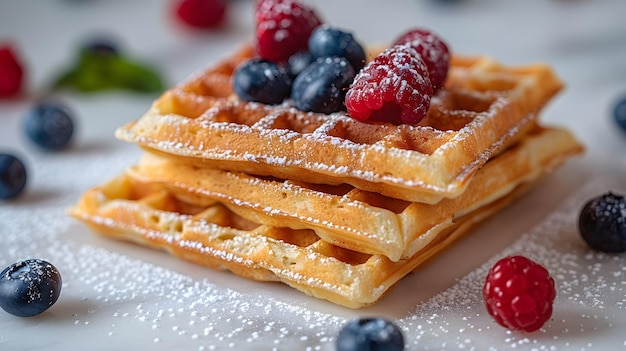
{"points": [[394, 87], [283, 28], [433, 50], [519, 293]]}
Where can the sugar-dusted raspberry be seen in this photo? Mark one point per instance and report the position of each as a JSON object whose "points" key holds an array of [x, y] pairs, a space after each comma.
{"points": [[519, 293], [11, 72], [283, 28], [394, 87], [201, 13], [434, 51]]}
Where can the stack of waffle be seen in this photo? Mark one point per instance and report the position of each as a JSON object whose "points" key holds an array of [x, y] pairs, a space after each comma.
{"points": [[336, 208]]}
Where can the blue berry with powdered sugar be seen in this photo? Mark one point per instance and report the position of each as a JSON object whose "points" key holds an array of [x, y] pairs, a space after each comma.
{"points": [[50, 125], [259, 80], [602, 223], [298, 62], [326, 41], [370, 334], [322, 86], [29, 287]]}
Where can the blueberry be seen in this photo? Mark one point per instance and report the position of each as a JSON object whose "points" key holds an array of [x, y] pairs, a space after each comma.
{"points": [[101, 47], [50, 125], [619, 113], [29, 287], [322, 86], [370, 334], [262, 81], [327, 41], [602, 223], [298, 62], [12, 176]]}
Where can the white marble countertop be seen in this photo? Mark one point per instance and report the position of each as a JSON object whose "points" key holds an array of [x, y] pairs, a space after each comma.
{"points": [[117, 295]]}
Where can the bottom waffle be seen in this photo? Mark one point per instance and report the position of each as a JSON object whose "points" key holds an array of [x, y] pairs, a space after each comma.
{"points": [[212, 235]]}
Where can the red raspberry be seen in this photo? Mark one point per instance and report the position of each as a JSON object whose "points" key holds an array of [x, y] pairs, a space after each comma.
{"points": [[201, 13], [434, 52], [11, 72], [519, 293], [394, 88], [283, 27]]}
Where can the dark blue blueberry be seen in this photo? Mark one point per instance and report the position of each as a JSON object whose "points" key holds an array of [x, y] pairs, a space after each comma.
{"points": [[29, 287], [101, 47], [602, 223], [619, 113], [370, 334], [322, 86], [262, 81], [298, 62], [12, 176], [50, 125], [327, 41]]}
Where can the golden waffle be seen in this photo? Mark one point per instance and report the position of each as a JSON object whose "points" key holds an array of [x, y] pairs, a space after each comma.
{"points": [[394, 228], [207, 232], [213, 236], [483, 107]]}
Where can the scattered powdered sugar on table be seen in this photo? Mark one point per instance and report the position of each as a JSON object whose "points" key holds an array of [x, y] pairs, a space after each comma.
{"points": [[118, 299], [591, 294]]}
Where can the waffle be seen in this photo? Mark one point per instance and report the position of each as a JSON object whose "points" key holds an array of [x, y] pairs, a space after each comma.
{"points": [[213, 236], [143, 207], [484, 107], [393, 228]]}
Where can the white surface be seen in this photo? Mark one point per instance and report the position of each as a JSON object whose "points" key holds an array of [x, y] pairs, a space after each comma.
{"points": [[117, 295]]}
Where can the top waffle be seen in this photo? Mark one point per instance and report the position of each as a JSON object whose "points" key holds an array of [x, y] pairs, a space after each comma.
{"points": [[483, 107]]}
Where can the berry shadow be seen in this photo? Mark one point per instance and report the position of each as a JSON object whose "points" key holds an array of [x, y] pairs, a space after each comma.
{"points": [[34, 196], [96, 147], [68, 309]]}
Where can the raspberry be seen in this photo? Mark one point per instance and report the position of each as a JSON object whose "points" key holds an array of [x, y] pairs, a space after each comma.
{"points": [[519, 293], [434, 52], [394, 88], [11, 72], [602, 223], [201, 13], [283, 28]]}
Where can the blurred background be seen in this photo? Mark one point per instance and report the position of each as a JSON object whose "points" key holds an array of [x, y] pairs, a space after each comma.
{"points": [[584, 40]]}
